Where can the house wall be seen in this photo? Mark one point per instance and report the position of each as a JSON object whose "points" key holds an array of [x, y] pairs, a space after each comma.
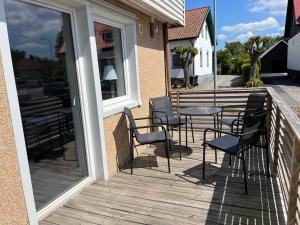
{"points": [[152, 84], [293, 57], [12, 203], [175, 72], [206, 45], [195, 69]]}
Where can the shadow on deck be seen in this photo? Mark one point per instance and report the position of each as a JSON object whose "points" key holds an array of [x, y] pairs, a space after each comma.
{"points": [[152, 196]]}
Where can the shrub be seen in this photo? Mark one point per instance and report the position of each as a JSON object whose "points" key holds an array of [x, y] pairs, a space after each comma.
{"points": [[246, 71], [254, 83]]}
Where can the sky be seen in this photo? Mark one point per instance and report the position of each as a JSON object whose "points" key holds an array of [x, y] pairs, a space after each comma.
{"points": [[237, 20]]}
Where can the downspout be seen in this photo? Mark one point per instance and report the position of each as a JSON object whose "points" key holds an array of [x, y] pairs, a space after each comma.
{"points": [[167, 59]]}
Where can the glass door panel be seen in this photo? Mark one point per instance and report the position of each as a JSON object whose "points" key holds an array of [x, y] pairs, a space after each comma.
{"points": [[45, 73]]}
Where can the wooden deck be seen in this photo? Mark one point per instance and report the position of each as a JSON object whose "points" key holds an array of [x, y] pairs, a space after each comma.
{"points": [[152, 196]]}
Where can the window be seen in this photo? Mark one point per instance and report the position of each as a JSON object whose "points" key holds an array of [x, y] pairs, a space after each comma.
{"points": [[176, 61], [116, 49], [108, 36], [208, 58], [202, 32], [206, 32], [110, 60], [201, 58]]}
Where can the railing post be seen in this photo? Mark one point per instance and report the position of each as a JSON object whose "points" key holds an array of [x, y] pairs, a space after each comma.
{"points": [[269, 118], [177, 101], [294, 183], [276, 141]]}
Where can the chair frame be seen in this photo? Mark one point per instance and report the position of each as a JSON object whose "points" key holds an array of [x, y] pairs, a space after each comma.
{"points": [[241, 148], [132, 136], [168, 125]]}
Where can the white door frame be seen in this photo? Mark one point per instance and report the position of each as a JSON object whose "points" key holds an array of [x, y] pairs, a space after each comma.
{"points": [[91, 103]]}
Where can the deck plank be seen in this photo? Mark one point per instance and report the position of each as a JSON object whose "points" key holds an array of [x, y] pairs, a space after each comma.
{"points": [[152, 196]]}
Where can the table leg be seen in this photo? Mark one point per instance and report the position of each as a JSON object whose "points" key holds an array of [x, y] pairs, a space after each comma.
{"points": [[179, 130], [186, 136], [218, 125]]}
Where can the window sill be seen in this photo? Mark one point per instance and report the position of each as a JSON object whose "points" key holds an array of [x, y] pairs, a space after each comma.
{"points": [[116, 108]]}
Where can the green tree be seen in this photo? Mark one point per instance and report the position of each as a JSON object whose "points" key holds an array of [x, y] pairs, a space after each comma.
{"points": [[255, 46], [186, 56], [231, 58]]}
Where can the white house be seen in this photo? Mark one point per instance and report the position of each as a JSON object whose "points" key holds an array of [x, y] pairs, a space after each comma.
{"points": [[199, 33], [292, 33]]}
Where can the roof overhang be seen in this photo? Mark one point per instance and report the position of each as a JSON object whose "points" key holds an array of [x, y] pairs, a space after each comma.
{"points": [[172, 12]]}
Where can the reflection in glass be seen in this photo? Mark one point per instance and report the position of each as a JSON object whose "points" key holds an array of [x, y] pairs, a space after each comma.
{"points": [[45, 74], [110, 60]]}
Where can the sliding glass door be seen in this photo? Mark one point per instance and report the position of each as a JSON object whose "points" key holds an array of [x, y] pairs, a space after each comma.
{"points": [[43, 58]]}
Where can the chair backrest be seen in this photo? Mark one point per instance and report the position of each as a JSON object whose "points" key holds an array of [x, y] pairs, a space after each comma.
{"points": [[254, 122], [255, 103], [162, 104], [130, 117]]}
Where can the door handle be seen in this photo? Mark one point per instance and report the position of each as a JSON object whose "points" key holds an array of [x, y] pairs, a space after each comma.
{"points": [[74, 101]]}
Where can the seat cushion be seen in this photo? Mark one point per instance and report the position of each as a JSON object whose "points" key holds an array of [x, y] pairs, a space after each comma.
{"points": [[174, 121], [226, 143], [153, 137], [227, 121]]}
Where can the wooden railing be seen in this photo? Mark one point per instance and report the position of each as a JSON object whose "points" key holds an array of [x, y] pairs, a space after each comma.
{"points": [[284, 135]]}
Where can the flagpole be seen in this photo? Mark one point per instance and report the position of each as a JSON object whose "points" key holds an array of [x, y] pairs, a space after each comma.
{"points": [[215, 51]]}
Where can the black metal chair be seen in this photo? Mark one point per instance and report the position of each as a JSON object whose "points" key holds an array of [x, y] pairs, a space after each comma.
{"points": [[147, 138], [237, 143], [162, 109], [255, 103]]}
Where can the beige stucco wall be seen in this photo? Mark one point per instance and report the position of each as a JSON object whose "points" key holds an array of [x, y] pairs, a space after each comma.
{"points": [[12, 204], [152, 84]]}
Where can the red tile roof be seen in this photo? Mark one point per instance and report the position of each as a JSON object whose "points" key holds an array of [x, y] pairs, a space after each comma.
{"points": [[194, 20], [297, 10]]}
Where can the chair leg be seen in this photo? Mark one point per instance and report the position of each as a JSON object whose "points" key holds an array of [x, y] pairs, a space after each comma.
{"points": [[167, 154], [131, 153], [203, 163], [192, 129], [179, 133], [229, 160], [267, 155], [245, 173]]}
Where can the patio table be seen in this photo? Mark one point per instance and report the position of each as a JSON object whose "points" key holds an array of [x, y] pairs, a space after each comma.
{"points": [[198, 111]]}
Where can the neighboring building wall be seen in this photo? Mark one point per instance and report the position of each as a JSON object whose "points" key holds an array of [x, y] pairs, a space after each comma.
{"points": [[152, 84], [204, 42], [293, 57], [275, 61], [12, 203], [177, 72]]}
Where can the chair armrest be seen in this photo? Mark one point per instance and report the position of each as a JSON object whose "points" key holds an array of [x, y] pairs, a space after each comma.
{"points": [[149, 126], [152, 126], [231, 107], [219, 131], [149, 118], [247, 110]]}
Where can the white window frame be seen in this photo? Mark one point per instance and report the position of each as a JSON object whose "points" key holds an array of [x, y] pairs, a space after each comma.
{"points": [[81, 19], [125, 97], [130, 61]]}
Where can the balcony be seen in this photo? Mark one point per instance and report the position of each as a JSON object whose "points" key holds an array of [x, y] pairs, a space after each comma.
{"points": [[152, 196]]}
